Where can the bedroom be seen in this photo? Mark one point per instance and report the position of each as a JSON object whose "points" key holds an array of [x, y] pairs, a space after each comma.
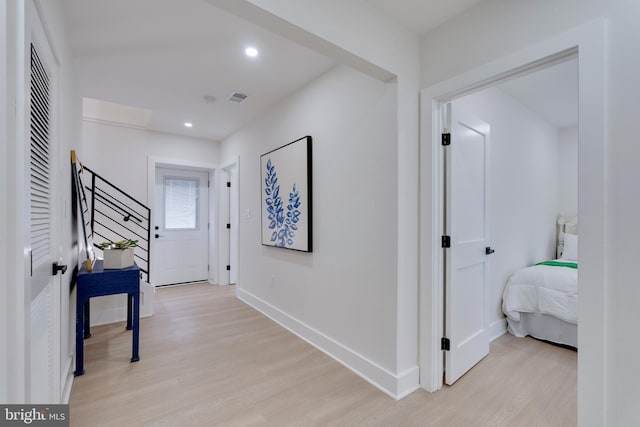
{"points": [[531, 182]]}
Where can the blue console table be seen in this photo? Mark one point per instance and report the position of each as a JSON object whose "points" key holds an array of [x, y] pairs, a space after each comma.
{"points": [[100, 282]]}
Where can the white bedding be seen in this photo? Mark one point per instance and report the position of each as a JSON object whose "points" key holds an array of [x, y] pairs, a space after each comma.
{"points": [[542, 289]]}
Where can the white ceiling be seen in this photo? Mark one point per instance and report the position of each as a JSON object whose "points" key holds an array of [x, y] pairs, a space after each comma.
{"points": [[421, 16], [166, 55], [552, 93]]}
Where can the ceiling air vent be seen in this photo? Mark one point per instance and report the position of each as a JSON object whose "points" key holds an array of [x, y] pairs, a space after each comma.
{"points": [[237, 97]]}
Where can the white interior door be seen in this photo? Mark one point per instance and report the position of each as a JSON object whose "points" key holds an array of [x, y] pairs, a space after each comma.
{"points": [[43, 219], [181, 229], [233, 220], [226, 230], [229, 225], [466, 261]]}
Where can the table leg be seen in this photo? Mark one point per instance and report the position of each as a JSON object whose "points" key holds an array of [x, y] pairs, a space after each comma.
{"points": [[129, 310], [80, 315], [87, 319], [136, 326]]}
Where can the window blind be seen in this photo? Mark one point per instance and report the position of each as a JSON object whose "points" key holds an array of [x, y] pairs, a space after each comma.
{"points": [[181, 203]]}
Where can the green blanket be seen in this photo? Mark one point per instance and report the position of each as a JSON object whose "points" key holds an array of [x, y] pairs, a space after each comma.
{"points": [[559, 264]]}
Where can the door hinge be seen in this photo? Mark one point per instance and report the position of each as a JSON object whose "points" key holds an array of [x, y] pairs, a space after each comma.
{"points": [[228, 184], [446, 241], [229, 226], [228, 268], [446, 139], [207, 267], [445, 344]]}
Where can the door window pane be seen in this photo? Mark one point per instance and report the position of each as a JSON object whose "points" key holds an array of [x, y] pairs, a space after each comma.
{"points": [[180, 203]]}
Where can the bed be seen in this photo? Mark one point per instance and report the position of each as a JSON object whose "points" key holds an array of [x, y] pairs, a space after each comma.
{"points": [[542, 300]]}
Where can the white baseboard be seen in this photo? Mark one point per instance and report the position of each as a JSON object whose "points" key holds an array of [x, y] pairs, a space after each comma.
{"points": [[395, 386], [497, 329]]}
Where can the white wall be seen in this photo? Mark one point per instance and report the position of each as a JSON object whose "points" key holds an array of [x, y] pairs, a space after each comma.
{"points": [[342, 295], [496, 27], [523, 202], [568, 171], [623, 210], [120, 155], [493, 28]]}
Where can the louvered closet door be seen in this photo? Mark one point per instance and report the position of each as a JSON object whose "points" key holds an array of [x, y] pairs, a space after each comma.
{"points": [[40, 174], [45, 314]]}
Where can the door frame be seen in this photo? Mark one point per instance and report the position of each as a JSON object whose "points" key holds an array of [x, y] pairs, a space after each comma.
{"points": [[5, 104], [588, 41], [214, 171]]}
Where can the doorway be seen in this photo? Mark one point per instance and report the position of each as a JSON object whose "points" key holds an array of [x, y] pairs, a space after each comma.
{"points": [[532, 182], [181, 225], [587, 42]]}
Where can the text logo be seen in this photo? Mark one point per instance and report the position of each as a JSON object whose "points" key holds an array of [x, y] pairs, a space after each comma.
{"points": [[36, 415]]}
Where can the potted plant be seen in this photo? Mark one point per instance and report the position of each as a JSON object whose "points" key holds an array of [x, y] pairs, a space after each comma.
{"points": [[118, 254]]}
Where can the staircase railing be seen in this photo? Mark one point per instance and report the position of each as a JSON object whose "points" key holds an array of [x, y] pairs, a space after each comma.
{"points": [[116, 215]]}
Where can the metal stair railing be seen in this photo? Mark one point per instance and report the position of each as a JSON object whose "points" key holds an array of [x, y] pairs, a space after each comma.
{"points": [[116, 215]]}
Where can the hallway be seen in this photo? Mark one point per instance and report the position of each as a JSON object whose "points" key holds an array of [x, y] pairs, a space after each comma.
{"points": [[209, 359]]}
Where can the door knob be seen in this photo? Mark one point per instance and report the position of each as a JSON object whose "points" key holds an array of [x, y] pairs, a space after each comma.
{"points": [[158, 235], [488, 250]]}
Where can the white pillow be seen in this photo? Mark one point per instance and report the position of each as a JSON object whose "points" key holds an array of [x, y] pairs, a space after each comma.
{"points": [[570, 250]]}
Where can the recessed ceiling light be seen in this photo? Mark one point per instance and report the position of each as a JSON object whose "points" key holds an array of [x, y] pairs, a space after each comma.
{"points": [[251, 52], [188, 124]]}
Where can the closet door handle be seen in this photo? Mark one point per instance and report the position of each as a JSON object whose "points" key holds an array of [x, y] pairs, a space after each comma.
{"points": [[488, 250], [55, 268]]}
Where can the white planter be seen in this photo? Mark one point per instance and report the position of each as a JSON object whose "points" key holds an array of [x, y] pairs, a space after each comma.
{"points": [[118, 258]]}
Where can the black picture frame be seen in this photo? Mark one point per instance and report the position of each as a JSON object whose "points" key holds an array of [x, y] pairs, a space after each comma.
{"points": [[286, 196]]}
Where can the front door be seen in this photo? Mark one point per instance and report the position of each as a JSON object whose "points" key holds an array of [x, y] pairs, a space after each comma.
{"points": [[466, 260], [181, 229]]}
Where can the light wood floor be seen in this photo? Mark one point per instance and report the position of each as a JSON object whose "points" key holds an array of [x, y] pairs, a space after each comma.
{"points": [[207, 359]]}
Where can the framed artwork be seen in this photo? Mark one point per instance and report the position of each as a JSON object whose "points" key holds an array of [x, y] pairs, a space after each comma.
{"points": [[285, 176]]}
